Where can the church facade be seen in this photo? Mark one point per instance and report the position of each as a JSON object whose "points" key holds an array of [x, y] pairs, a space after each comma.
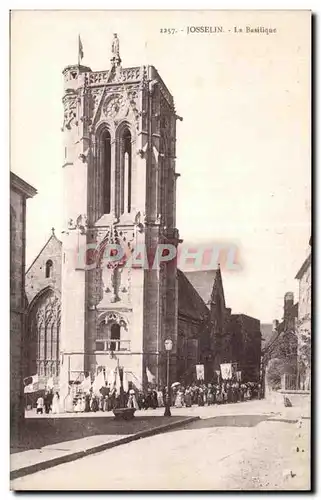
{"points": [[96, 298]]}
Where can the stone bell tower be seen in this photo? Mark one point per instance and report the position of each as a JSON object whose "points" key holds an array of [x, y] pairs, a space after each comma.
{"points": [[119, 188]]}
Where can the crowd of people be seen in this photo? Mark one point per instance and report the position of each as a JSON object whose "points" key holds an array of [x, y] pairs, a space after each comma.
{"points": [[199, 394], [202, 394], [50, 402]]}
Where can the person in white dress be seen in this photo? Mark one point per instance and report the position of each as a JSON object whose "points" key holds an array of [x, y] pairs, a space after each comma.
{"points": [[56, 403], [132, 401], [160, 399], [69, 404], [179, 398]]}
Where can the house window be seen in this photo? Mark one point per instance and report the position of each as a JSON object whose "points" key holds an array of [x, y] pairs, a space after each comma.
{"points": [[49, 268]]}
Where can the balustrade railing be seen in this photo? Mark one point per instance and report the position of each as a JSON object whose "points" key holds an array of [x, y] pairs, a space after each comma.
{"points": [[112, 345]]}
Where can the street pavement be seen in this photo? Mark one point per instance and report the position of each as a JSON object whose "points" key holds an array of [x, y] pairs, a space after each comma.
{"points": [[237, 446]]}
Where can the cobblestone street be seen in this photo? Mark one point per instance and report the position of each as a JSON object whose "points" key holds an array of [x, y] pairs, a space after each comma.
{"points": [[236, 446]]}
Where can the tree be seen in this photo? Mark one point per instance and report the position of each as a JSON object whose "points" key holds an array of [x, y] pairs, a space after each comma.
{"points": [[276, 368], [286, 346]]}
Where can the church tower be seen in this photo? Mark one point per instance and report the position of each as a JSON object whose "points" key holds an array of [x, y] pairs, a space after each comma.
{"points": [[119, 189]]}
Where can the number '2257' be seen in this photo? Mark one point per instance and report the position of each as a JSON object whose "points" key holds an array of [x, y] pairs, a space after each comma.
{"points": [[169, 31]]}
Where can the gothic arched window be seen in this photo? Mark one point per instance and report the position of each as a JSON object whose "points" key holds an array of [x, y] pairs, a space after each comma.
{"points": [[114, 335], [126, 172], [43, 333], [49, 268], [105, 145]]}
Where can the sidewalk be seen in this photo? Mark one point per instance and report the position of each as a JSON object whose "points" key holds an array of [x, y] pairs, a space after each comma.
{"points": [[48, 442]]}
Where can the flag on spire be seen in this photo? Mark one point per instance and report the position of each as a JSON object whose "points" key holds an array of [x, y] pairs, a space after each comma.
{"points": [[80, 50]]}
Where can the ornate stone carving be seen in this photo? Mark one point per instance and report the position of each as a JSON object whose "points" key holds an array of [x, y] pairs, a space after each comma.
{"points": [[49, 312], [83, 157], [98, 77], [113, 317], [107, 77], [81, 223], [116, 107], [95, 99], [116, 281], [70, 110], [139, 222], [113, 282], [130, 74], [40, 317]]}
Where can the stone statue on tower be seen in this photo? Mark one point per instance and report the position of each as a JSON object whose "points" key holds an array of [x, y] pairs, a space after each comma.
{"points": [[115, 59]]}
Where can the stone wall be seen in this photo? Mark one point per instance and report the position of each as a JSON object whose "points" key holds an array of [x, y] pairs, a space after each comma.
{"points": [[19, 192], [17, 303], [304, 325], [36, 279]]}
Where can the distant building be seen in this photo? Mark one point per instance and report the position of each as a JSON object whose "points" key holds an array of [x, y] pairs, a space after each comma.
{"points": [[193, 339], [304, 276], [209, 285], [20, 191], [283, 343], [267, 332], [242, 345], [232, 338]]}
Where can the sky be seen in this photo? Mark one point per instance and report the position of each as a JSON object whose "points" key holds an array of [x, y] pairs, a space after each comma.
{"points": [[243, 148]]}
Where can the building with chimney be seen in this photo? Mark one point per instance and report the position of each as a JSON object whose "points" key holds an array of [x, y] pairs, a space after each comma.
{"points": [[282, 344]]}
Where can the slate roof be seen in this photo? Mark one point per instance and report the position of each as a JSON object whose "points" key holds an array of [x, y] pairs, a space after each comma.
{"points": [[190, 303], [203, 282]]}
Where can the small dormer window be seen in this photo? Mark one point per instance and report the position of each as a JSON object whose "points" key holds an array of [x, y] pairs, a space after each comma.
{"points": [[48, 268]]}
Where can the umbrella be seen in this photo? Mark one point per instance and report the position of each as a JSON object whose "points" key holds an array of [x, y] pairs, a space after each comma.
{"points": [[175, 384]]}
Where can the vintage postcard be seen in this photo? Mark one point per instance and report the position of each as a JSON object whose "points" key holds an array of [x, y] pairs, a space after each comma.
{"points": [[160, 242]]}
